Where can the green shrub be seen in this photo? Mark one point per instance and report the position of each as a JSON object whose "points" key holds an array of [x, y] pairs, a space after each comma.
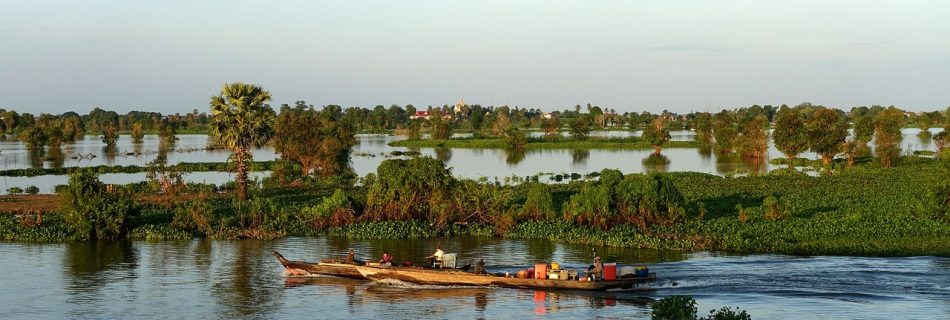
{"points": [[539, 203], [93, 211], [334, 211], [14, 190], [195, 215], [32, 190], [674, 308]]}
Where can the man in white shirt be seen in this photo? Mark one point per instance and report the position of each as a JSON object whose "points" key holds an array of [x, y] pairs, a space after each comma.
{"points": [[437, 256]]}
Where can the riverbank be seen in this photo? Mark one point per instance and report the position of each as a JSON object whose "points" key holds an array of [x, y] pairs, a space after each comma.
{"points": [[862, 211], [541, 143]]}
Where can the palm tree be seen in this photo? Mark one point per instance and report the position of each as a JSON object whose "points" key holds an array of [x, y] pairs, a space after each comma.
{"points": [[241, 120]]}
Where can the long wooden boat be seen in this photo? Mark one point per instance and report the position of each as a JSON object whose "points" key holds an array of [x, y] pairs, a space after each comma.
{"points": [[300, 268], [460, 278]]}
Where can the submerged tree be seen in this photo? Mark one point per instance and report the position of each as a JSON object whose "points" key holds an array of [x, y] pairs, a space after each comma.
{"points": [[725, 131], [790, 135], [109, 136], [320, 141], [550, 127], [657, 134], [753, 139], [138, 133], [580, 127], [887, 135], [827, 130], [240, 121], [515, 139]]}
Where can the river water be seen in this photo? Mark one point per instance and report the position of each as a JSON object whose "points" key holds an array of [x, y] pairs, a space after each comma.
{"points": [[215, 279]]}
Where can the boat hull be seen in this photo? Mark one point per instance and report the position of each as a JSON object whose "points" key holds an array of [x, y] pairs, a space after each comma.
{"points": [[460, 278], [300, 268]]}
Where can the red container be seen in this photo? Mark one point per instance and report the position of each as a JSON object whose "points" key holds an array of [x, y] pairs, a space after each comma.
{"points": [[610, 271], [541, 271]]}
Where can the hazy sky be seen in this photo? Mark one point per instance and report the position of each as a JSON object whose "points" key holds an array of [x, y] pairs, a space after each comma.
{"points": [[171, 56]]}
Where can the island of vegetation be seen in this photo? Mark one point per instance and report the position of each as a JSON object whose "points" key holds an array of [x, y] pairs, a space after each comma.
{"points": [[876, 201]]}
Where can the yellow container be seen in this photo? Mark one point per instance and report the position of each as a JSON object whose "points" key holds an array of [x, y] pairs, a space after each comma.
{"points": [[555, 266]]}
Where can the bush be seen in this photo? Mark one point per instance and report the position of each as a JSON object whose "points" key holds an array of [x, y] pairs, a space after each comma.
{"points": [[196, 215], [14, 190], [539, 204], [333, 211], [32, 190], [93, 210], [675, 308]]}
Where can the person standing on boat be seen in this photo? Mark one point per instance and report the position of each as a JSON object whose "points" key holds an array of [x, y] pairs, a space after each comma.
{"points": [[596, 271], [437, 256], [387, 260]]}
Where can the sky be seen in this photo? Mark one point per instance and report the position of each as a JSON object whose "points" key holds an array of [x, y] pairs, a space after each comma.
{"points": [[679, 55]]}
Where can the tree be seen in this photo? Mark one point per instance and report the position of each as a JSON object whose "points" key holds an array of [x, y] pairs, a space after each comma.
{"points": [[704, 128], [240, 121], [138, 133], [440, 128], [167, 179], [827, 130], [109, 136], [924, 122], [580, 127], [887, 135], [550, 127], [514, 138], [753, 140], [413, 129], [863, 129], [94, 211], [725, 131], [34, 137], [319, 141], [657, 134], [166, 131], [790, 135]]}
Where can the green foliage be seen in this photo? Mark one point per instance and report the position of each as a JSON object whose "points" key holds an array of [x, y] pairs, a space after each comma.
{"points": [[109, 136], [726, 313], [441, 129], [550, 127], [14, 190], [35, 138], [887, 135], [320, 141], [93, 211], [725, 131], [753, 139], [704, 127], [827, 130], [657, 134], [138, 133], [580, 127], [514, 138], [32, 189], [790, 135], [241, 120], [674, 308], [333, 211], [195, 215], [408, 189], [543, 143], [863, 128]]}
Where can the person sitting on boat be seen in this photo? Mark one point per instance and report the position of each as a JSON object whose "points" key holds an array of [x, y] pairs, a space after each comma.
{"points": [[596, 271], [437, 256], [387, 260], [351, 257]]}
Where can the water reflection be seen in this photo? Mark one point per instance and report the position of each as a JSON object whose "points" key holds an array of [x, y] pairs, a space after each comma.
{"points": [[109, 153], [514, 156], [88, 264], [734, 164], [579, 156], [244, 291], [443, 154]]}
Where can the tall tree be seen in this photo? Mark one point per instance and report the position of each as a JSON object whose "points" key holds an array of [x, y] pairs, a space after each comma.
{"points": [[657, 134], [580, 127], [827, 130], [704, 128], [753, 139], [725, 131], [240, 121], [790, 135], [320, 141], [887, 135]]}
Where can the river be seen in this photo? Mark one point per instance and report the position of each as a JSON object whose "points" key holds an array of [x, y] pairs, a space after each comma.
{"points": [[216, 279]]}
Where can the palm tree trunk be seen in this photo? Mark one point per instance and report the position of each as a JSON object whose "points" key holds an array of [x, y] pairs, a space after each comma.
{"points": [[241, 176]]}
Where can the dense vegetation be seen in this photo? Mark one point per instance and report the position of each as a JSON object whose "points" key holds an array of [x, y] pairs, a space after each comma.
{"points": [[865, 210]]}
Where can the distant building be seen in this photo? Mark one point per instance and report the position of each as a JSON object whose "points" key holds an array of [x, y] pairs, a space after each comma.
{"points": [[420, 115], [547, 115]]}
